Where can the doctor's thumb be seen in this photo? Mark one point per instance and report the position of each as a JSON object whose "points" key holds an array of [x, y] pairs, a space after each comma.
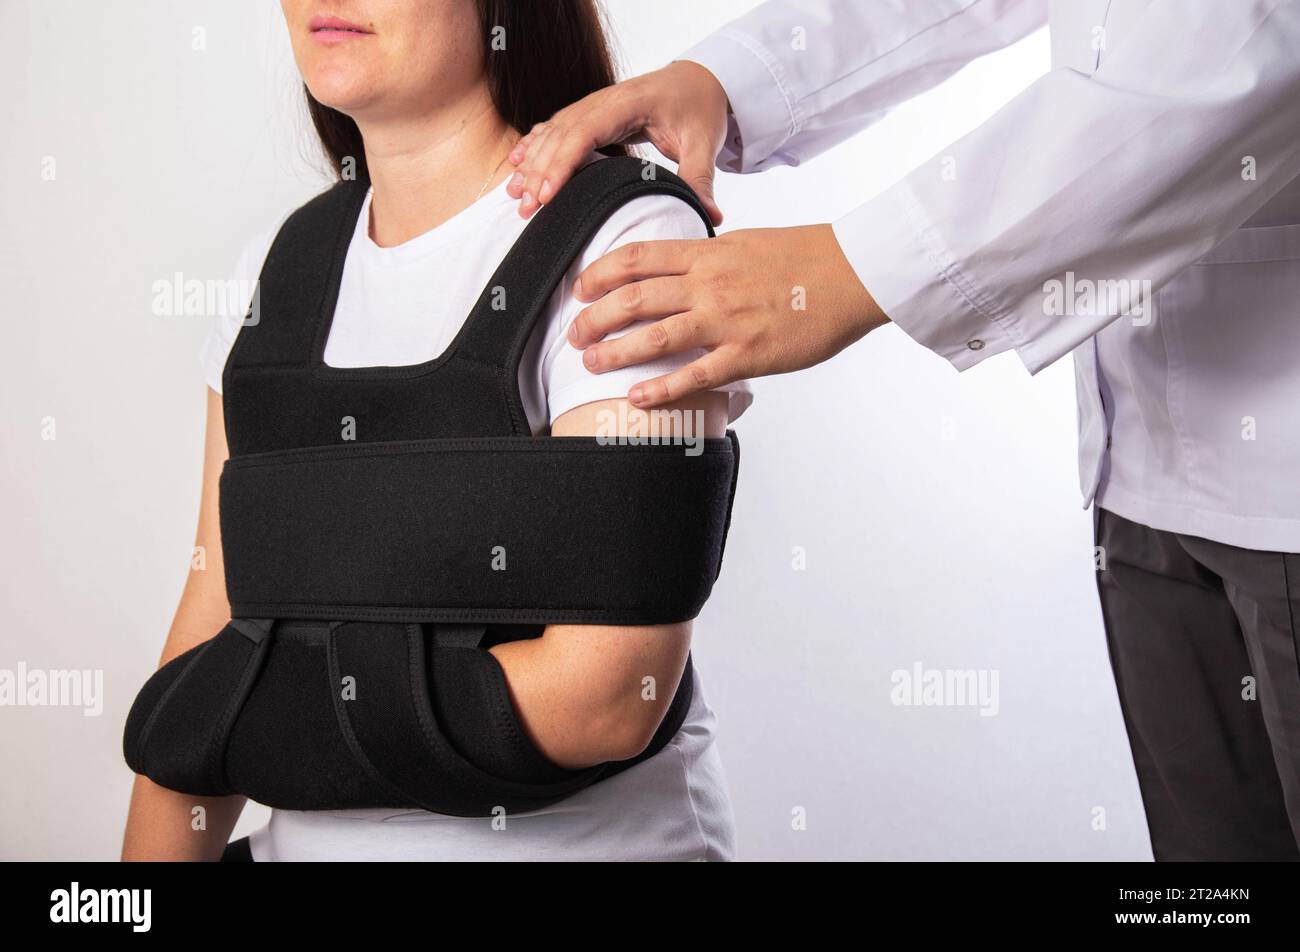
{"points": [[696, 170]]}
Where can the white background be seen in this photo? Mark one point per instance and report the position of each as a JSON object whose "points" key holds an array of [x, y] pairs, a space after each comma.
{"points": [[939, 512]]}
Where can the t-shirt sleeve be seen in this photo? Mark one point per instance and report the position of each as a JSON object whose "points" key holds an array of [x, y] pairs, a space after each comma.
{"points": [[225, 326], [567, 383]]}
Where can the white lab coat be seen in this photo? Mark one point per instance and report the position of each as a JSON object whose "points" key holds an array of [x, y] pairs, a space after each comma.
{"points": [[1138, 205]]}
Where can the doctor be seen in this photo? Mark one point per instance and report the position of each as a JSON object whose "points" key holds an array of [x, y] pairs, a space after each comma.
{"points": [[1138, 207]]}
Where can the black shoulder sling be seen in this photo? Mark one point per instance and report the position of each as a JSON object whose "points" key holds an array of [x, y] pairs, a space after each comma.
{"points": [[383, 526]]}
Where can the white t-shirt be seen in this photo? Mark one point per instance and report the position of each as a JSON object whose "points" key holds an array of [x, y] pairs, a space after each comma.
{"points": [[403, 305]]}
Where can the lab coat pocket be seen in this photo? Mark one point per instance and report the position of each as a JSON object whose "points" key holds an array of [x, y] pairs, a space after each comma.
{"points": [[1231, 329]]}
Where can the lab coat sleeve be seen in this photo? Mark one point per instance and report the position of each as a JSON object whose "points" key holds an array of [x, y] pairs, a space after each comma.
{"points": [[1085, 194], [803, 75]]}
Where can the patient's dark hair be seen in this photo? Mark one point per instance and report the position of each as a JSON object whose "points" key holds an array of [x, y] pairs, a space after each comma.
{"points": [[556, 53]]}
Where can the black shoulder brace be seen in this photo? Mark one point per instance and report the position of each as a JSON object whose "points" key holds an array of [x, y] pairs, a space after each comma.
{"points": [[381, 527]]}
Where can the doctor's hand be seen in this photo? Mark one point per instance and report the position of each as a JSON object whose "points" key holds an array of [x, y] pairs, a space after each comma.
{"points": [[681, 110], [759, 301]]}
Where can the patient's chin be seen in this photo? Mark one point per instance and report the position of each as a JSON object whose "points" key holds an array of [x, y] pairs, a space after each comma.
{"points": [[348, 89]]}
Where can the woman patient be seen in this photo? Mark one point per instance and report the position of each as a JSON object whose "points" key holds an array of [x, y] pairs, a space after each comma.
{"points": [[428, 98]]}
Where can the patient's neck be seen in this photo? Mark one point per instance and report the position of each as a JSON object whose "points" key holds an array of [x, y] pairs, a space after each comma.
{"points": [[426, 168]]}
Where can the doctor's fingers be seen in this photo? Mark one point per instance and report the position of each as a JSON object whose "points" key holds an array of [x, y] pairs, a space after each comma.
{"points": [[678, 333], [552, 151], [681, 109], [707, 372], [645, 300], [636, 261]]}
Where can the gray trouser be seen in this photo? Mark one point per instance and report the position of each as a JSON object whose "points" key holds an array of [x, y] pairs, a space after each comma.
{"points": [[1203, 644]]}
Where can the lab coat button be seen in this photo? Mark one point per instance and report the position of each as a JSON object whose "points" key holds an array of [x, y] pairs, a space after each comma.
{"points": [[975, 344]]}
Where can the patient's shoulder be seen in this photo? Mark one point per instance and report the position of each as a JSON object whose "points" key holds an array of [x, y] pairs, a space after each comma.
{"points": [[645, 218]]}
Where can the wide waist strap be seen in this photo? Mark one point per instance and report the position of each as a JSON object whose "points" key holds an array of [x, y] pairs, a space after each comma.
{"points": [[515, 529]]}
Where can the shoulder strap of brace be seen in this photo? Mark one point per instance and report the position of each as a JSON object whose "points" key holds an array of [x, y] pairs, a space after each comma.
{"points": [[517, 293], [298, 279]]}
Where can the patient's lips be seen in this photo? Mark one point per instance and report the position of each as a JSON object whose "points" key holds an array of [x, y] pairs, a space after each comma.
{"points": [[332, 30]]}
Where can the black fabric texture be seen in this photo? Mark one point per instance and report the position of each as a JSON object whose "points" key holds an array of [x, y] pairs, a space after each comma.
{"points": [[238, 851], [285, 750], [364, 514], [146, 707], [471, 703], [182, 735], [518, 529]]}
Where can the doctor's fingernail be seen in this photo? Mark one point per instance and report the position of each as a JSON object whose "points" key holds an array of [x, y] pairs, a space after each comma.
{"points": [[589, 358], [516, 180], [637, 396]]}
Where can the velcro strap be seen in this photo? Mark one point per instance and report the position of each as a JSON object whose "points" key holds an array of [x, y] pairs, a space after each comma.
{"points": [[495, 530]]}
